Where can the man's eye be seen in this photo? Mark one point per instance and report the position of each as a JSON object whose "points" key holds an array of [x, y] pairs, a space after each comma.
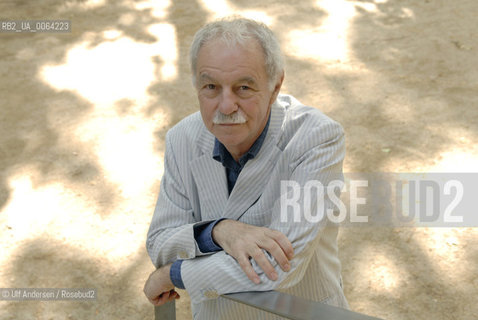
{"points": [[244, 88], [210, 87]]}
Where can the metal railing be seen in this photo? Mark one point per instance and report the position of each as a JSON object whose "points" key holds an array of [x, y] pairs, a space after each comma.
{"points": [[281, 304]]}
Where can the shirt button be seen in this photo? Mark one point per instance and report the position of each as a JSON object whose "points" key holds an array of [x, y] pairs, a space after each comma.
{"points": [[183, 255]]}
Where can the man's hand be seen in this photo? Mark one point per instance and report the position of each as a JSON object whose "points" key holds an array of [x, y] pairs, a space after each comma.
{"points": [[158, 288], [244, 241]]}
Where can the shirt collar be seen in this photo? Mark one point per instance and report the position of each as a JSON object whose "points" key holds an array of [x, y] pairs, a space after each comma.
{"points": [[221, 154]]}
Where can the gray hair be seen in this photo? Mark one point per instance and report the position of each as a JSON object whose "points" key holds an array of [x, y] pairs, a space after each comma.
{"points": [[236, 30]]}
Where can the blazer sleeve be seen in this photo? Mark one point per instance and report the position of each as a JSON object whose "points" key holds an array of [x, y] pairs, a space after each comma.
{"points": [[318, 156], [171, 232]]}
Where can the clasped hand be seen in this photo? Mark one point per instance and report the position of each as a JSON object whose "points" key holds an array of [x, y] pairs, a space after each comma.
{"points": [[243, 241], [158, 288]]}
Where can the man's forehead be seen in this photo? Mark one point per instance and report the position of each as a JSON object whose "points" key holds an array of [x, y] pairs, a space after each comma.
{"points": [[205, 76]]}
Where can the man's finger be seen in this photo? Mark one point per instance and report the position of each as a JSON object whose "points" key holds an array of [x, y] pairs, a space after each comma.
{"points": [[163, 298], [264, 264], [284, 243], [272, 246], [279, 255], [173, 294], [246, 266]]}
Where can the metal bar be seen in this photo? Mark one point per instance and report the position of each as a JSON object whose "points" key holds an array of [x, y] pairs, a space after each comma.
{"points": [[292, 307], [166, 311], [278, 303]]}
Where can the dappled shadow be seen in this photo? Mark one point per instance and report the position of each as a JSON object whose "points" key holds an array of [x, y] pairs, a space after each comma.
{"points": [[430, 107], [177, 97], [440, 102], [38, 122], [45, 262], [414, 273]]}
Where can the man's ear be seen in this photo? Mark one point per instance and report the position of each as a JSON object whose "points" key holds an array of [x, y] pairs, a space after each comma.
{"points": [[277, 87]]}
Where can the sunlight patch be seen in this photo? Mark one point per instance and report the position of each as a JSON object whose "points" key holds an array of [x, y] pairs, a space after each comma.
{"points": [[114, 70], [168, 48], [458, 159], [112, 34], [328, 41], [106, 73], [223, 8], [386, 275], [125, 149], [55, 211]]}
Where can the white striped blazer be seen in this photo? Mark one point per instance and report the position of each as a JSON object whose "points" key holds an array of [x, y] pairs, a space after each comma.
{"points": [[301, 144]]}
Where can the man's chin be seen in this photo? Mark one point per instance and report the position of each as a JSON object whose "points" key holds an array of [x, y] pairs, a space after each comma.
{"points": [[228, 129], [230, 141]]}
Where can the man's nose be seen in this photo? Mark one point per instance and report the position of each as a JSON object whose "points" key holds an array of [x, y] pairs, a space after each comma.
{"points": [[228, 103]]}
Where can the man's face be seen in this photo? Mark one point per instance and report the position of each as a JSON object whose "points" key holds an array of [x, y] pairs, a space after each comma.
{"points": [[232, 81]]}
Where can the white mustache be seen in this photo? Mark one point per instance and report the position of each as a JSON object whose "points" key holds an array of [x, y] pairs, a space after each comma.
{"points": [[233, 118]]}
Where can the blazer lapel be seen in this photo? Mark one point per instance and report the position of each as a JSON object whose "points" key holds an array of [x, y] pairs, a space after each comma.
{"points": [[250, 183], [210, 178]]}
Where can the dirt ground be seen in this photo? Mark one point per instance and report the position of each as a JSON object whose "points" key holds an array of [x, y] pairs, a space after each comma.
{"points": [[84, 115]]}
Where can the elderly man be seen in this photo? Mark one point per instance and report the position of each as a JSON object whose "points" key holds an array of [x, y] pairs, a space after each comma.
{"points": [[227, 219]]}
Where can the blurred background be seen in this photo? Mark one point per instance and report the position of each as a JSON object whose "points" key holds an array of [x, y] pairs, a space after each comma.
{"points": [[83, 116]]}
